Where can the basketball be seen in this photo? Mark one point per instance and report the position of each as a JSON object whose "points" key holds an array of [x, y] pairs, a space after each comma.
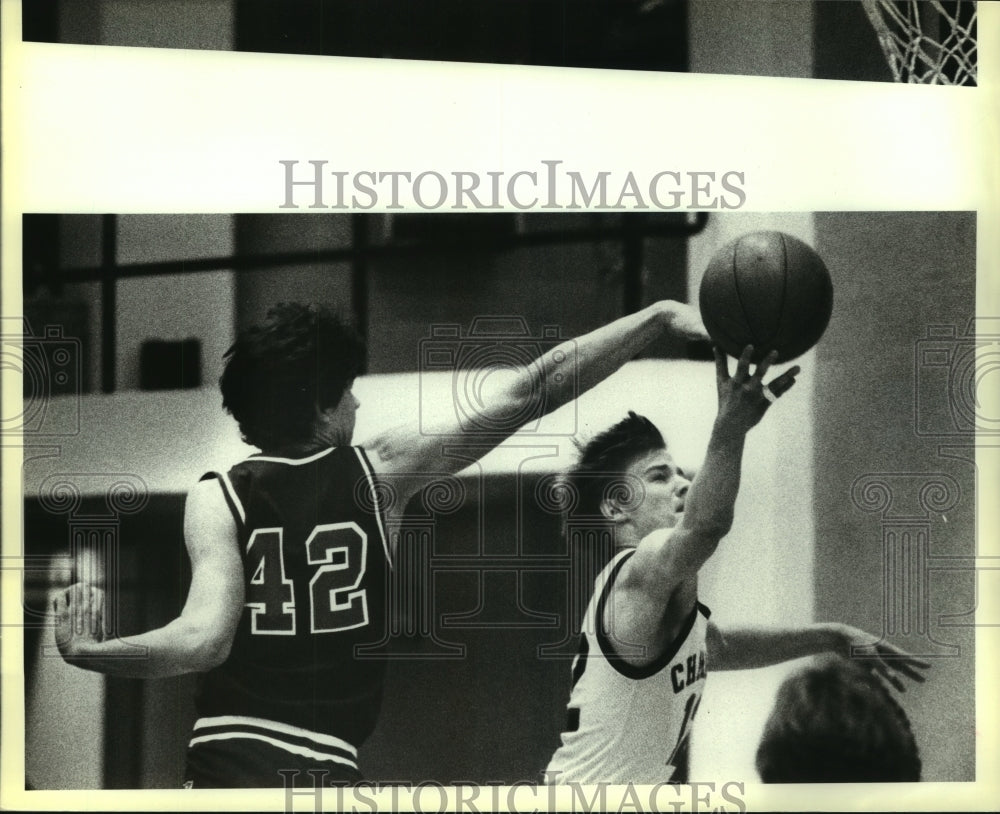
{"points": [[769, 290]]}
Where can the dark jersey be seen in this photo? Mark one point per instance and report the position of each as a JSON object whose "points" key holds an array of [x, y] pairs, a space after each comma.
{"points": [[316, 562]]}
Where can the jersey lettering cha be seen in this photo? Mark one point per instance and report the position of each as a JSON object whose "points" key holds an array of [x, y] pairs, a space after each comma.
{"points": [[629, 724]]}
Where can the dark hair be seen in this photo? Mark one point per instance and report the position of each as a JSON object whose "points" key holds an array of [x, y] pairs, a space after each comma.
{"points": [[835, 722], [278, 372], [604, 459]]}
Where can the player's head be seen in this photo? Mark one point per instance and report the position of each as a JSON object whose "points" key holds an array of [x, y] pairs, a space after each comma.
{"points": [[834, 722], [626, 476], [292, 374]]}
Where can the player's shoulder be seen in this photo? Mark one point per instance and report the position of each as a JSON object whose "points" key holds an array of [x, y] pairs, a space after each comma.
{"points": [[647, 557], [211, 515], [650, 579], [267, 464], [387, 450], [658, 537], [207, 493]]}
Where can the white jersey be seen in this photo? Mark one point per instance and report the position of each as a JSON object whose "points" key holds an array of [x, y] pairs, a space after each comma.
{"points": [[630, 724]]}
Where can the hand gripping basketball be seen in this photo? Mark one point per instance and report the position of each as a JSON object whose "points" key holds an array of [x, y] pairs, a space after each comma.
{"points": [[743, 397]]}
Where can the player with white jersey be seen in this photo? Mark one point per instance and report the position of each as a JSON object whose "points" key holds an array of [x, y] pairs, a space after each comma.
{"points": [[648, 646], [623, 720]]}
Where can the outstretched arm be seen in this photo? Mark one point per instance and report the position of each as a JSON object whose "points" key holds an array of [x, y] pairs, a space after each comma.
{"points": [[199, 638], [741, 648], [553, 380]]}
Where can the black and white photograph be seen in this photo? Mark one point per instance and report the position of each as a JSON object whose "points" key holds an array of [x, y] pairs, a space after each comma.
{"points": [[846, 534], [390, 453]]}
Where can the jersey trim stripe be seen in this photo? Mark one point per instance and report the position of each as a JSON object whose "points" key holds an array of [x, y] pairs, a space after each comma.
{"points": [[234, 499], [583, 651], [607, 648], [288, 747], [580, 662], [241, 723], [255, 733], [292, 461], [370, 473], [229, 493]]}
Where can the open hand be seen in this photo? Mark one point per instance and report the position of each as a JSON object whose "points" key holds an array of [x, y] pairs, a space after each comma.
{"points": [[883, 659], [743, 397], [79, 616]]}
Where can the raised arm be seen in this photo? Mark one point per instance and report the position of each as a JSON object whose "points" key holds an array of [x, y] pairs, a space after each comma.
{"points": [[199, 638], [668, 557], [556, 378], [740, 648]]}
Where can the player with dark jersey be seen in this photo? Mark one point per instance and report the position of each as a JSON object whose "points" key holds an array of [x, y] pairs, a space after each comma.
{"points": [[316, 564], [648, 644], [288, 554]]}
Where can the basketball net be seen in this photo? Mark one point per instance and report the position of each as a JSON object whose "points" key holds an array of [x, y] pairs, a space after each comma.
{"points": [[927, 41]]}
